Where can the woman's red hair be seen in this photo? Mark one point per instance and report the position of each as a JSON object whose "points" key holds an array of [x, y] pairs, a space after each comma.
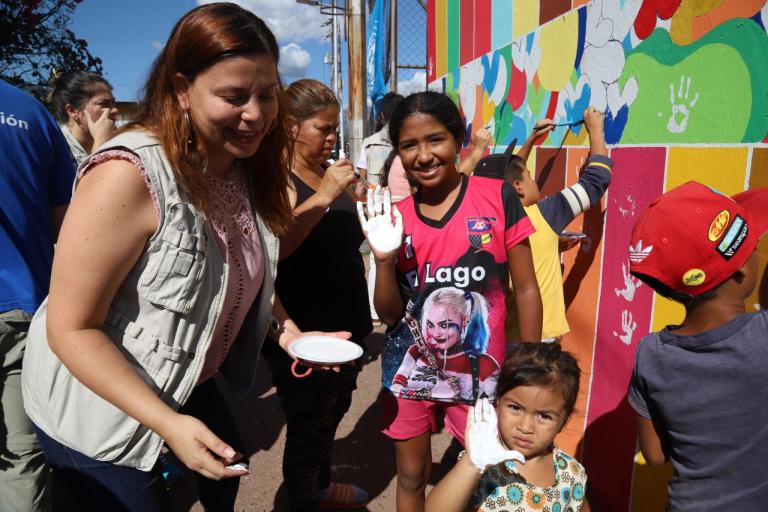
{"points": [[203, 37]]}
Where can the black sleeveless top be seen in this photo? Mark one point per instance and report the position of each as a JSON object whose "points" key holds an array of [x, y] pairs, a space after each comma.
{"points": [[322, 284]]}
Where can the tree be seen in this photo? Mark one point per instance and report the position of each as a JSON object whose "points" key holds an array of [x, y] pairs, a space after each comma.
{"points": [[35, 39]]}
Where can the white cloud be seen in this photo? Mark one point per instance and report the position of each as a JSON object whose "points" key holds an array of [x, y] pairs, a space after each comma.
{"points": [[416, 83], [288, 20], [294, 60], [158, 45]]}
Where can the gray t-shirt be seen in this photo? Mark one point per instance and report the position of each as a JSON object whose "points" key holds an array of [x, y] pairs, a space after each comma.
{"points": [[709, 394]]}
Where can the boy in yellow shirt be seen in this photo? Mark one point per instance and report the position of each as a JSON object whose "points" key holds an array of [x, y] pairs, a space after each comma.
{"points": [[550, 215]]}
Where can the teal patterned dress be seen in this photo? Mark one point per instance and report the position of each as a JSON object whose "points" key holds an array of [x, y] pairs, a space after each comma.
{"points": [[502, 489]]}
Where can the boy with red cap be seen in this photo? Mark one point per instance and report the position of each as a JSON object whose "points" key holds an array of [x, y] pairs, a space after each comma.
{"points": [[699, 388]]}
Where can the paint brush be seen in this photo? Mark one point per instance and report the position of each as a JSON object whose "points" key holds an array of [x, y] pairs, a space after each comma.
{"points": [[362, 180], [570, 125]]}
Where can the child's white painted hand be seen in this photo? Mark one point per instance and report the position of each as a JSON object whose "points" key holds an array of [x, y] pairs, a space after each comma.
{"points": [[484, 447], [384, 235]]}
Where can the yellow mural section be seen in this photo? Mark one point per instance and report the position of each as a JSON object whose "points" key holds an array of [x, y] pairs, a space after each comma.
{"points": [[758, 178], [525, 18], [694, 18], [558, 41], [441, 32], [721, 168]]}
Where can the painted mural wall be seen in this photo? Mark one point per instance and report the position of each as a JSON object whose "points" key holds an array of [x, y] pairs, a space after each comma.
{"points": [[684, 84]]}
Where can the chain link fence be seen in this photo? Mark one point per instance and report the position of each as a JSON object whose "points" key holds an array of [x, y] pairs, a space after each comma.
{"points": [[411, 60]]}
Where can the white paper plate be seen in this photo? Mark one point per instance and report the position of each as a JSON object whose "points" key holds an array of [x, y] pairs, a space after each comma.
{"points": [[324, 349]]}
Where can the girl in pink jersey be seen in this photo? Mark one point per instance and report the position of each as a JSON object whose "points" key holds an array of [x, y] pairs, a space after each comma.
{"points": [[455, 234]]}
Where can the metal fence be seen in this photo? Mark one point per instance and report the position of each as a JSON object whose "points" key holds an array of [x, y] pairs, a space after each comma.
{"points": [[411, 46]]}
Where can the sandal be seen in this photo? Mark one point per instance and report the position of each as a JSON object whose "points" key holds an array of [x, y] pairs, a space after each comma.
{"points": [[343, 496]]}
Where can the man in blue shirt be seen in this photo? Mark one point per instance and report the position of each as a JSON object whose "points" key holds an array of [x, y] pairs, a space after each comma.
{"points": [[36, 175]]}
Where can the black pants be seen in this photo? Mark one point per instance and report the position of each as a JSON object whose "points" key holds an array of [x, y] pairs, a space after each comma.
{"points": [[313, 408], [100, 486]]}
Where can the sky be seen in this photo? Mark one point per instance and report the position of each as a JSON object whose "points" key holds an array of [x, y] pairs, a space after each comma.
{"points": [[128, 36]]}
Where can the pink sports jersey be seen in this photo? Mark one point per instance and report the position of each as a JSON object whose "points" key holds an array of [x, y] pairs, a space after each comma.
{"points": [[451, 342]]}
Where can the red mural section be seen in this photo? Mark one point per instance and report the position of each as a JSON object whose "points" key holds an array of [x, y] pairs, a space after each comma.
{"points": [[625, 311], [649, 11], [551, 9], [483, 11], [467, 27]]}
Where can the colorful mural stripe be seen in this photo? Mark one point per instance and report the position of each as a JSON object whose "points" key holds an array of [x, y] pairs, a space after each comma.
{"points": [[441, 38], [501, 24], [482, 20], [467, 31], [453, 32], [625, 317], [431, 41], [582, 284]]}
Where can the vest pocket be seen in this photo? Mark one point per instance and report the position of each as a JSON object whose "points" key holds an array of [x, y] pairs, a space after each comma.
{"points": [[174, 269]]}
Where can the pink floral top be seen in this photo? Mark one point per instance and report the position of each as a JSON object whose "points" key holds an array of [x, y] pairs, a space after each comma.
{"points": [[238, 240]]}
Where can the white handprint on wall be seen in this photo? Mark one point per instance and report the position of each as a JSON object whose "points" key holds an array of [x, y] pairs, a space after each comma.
{"points": [[681, 107], [631, 284], [630, 210], [628, 325]]}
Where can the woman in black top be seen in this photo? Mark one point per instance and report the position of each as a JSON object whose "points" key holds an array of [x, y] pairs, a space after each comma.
{"points": [[321, 283]]}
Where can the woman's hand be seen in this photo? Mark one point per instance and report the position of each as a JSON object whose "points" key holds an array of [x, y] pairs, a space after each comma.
{"points": [[383, 235], [198, 448], [101, 129], [484, 447], [289, 336], [336, 179]]}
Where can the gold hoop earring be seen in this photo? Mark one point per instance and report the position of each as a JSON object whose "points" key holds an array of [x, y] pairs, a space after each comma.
{"points": [[188, 122]]}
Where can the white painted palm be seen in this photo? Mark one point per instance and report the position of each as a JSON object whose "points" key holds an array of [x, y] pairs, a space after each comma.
{"points": [[382, 226], [484, 446]]}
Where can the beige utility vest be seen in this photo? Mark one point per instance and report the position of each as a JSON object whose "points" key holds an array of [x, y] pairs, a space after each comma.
{"points": [[162, 319]]}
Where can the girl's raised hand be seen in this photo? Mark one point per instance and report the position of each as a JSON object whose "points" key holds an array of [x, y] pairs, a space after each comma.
{"points": [[384, 235], [484, 446]]}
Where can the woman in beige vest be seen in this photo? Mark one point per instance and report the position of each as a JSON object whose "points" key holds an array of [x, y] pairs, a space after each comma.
{"points": [[162, 284]]}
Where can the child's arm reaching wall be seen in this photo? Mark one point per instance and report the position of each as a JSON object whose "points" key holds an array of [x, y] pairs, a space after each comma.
{"points": [[480, 141], [541, 127], [560, 209]]}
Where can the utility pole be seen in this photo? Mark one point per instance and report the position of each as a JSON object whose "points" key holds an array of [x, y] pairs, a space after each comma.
{"points": [[337, 85], [393, 46], [357, 110]]}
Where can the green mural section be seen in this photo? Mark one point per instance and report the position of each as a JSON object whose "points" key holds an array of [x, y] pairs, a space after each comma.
{"points": [[453, 12], [688, 93]]}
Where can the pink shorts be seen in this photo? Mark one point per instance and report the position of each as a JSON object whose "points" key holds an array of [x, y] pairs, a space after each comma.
{"points": [[403, 419]]}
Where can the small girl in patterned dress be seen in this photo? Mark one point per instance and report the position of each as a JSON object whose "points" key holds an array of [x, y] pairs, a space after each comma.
{"points": [[536, 393]]}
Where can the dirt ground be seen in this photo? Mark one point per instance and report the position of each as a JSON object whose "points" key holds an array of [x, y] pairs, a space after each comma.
{"points": [[362, 455]]}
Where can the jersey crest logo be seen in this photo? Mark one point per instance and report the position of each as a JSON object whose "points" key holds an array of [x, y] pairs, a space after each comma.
{"points": [[480, 231]]}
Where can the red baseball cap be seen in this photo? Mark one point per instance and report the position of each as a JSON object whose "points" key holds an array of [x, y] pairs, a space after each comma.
{"points": [[693, 238]]}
